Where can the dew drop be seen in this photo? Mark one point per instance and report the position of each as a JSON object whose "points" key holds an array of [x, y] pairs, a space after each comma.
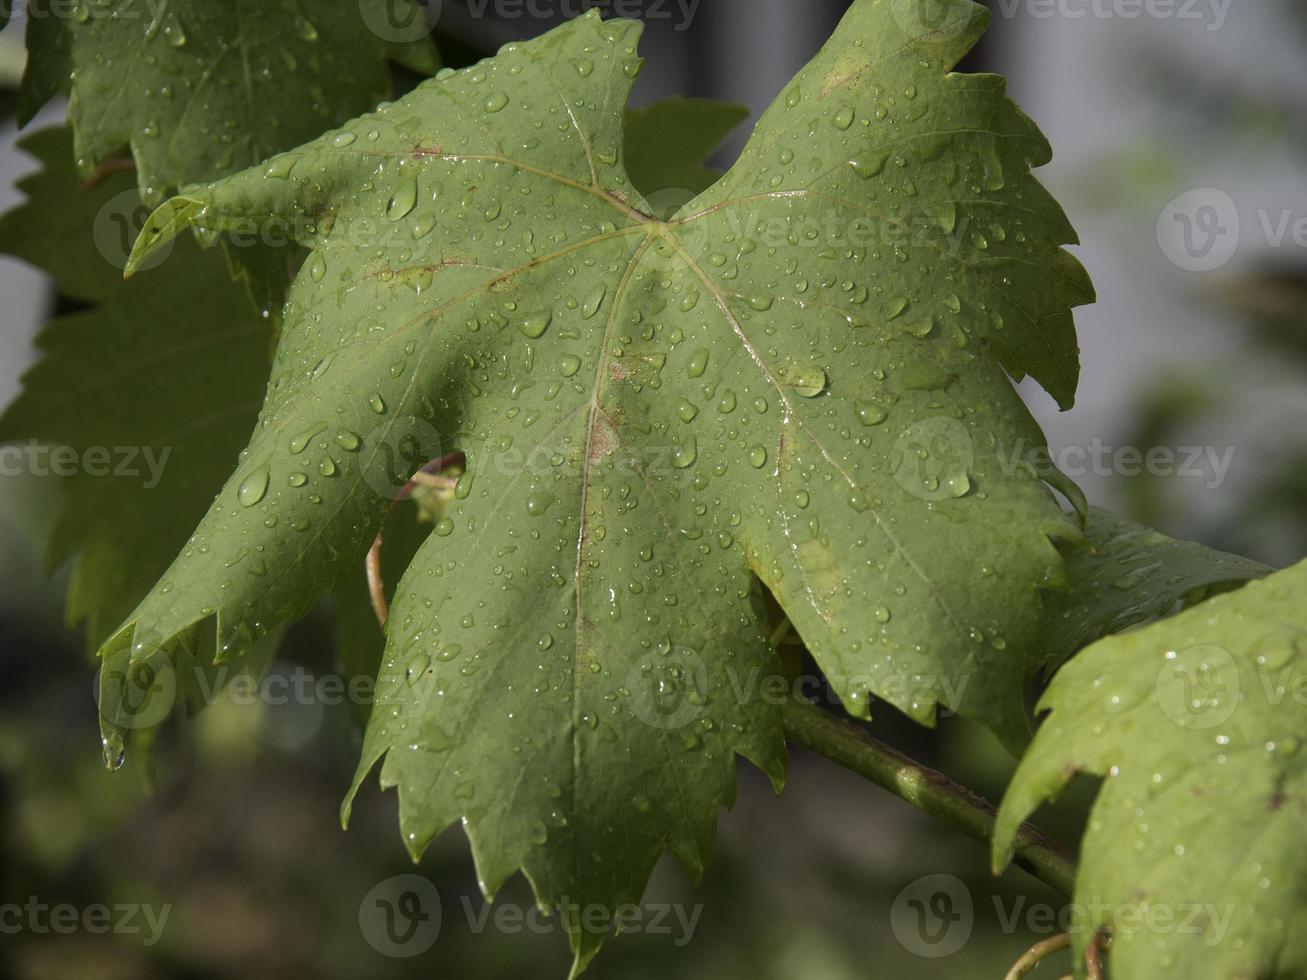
{"points": [[534, 325], [698, 363], [254, 487]]}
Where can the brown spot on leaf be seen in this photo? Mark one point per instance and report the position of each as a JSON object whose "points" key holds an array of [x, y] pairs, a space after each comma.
{"points": [[603, 438], [845, 73]]}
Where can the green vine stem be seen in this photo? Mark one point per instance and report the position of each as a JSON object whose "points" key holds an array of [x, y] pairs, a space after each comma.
{"points": [[850, 746], [1037, 953]]}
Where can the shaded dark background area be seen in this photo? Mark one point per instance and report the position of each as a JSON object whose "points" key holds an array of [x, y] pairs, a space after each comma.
{"points": [[239, 838]]}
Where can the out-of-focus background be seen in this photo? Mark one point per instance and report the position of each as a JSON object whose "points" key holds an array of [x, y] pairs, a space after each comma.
{"points": [[1177, 130]]}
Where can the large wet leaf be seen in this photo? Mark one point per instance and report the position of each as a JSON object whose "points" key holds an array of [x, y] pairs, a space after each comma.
{"points": [[145, 406], [1193, 856], [801, 378]]}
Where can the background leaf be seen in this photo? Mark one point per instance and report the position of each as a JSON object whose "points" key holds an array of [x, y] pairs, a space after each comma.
{"points": [[133, 382], [667, 143], [1128, 575], [196, 90]]}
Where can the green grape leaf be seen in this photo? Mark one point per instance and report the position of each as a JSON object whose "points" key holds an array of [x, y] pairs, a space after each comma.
{"points": [[1130, 574], [799, 381], [145, 411], [62, 231], [1197, 721], [667, 142], [196, 90], [49, 64]]}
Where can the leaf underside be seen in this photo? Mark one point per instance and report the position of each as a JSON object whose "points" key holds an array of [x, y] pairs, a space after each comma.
{"points": [[1130, 574], [1197, 722], [660, 418]]}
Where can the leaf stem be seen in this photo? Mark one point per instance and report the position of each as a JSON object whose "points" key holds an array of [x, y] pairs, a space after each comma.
{"points": [[431, 476], [1036, 954], [845, 743]]}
